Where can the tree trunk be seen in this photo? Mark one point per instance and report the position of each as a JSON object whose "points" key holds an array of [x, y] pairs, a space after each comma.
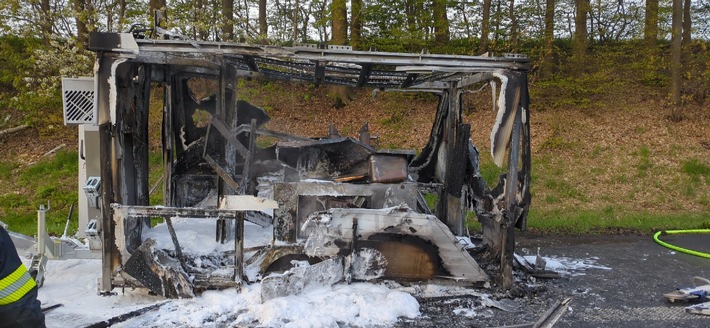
{"points": [[676, 28], [201, 11], [410, 10], [82, 31], [497, 19], [295, 21], [650, 29], [466, 23], [423, 30], [46, 20], [548, 65], [513, 27], [485, 26], [590, 14], [339, 93], [580, 31], [227, 20], [339, 24], [356, 24], [686, 23], [263, 26], [306, 12], [121, 15], [441, 23], [158, 5]]}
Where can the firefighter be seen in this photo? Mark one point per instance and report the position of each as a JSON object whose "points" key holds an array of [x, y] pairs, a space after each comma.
{"points": [[19, 306]]}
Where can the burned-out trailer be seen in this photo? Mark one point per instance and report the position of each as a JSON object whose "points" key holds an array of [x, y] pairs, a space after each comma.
{"points": [[337, 199]]}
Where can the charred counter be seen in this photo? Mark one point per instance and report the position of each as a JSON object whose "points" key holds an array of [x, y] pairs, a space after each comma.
{"points": [[346, 179]]}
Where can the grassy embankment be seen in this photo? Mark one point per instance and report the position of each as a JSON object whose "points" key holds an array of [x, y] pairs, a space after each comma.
{"points": [[609, 154]]}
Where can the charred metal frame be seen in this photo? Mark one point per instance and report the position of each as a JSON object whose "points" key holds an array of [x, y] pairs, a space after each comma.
{"points": [[126, 67]]}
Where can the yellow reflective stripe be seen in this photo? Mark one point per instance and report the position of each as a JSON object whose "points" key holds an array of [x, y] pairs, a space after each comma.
{"points": [[11, 278], [15, 285]]}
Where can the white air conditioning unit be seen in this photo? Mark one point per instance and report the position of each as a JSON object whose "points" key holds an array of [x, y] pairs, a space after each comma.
{"points": [[78, 100]]}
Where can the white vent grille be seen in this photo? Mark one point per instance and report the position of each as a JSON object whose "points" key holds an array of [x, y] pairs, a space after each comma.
{"points": [[78, 100]]}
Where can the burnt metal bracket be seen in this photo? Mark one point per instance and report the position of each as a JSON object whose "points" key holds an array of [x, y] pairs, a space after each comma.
{"points": [[319, 73], [364, 75], [218, 128]]}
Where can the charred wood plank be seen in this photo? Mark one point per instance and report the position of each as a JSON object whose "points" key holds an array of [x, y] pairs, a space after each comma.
{"points": [[159, 272], [226, 177], [176, 243], [552, 315], [168, 212]]}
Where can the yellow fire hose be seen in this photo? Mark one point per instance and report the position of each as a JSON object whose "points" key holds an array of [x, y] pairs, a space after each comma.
{"points": [[678, 248]]}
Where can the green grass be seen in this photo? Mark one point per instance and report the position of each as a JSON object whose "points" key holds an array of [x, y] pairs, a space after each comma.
{"points": [[52, 180], [490, 172], [695, 170], [155, 161], [6, 169], [610, 219], [431, 200], [644, 161]]}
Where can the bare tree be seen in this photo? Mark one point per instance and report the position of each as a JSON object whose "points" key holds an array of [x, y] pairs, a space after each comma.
{"points": [[45, 20], [686, 23], [650, 31], [513, 27], [121, 13], [227, 20], [549, 38], [339, 24], [442, 34], [485, 26], [411, 11], [158, 5], [263, 27], [295, 21], [580, 30], [80, 15], [676, 28], [356, 8]]}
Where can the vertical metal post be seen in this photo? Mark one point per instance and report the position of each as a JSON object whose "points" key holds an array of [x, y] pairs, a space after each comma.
{"points": [[511, 189], [227, 105], [41, 228], [247, 187], [141, 152], [239, 247], [107, 223], [455, 158], [223, 188], [168, 141]]}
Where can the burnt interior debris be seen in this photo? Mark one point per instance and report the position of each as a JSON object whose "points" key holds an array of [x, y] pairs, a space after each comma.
{"points": [[204, 161], [408, 256]]}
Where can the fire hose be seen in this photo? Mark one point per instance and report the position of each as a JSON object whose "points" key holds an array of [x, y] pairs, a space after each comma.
{"points": [[678, 248]]}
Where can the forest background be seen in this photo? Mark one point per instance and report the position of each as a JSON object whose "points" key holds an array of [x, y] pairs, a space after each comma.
{"points": [[620, 92]]}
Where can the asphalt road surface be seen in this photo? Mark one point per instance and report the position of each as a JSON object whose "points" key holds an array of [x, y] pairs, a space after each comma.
{"points": [[623, 286]]}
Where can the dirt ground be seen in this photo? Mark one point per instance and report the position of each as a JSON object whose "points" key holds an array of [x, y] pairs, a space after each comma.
{"points": [[625, 291]]}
